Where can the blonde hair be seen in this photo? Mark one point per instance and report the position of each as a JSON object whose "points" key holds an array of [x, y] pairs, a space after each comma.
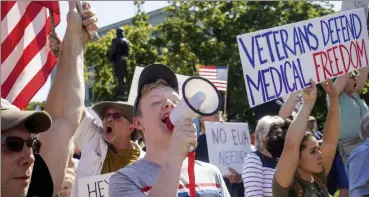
{"points": [[148, 87]]}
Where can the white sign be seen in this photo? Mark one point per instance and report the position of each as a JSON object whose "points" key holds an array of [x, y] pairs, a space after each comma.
{"points": [[134, 84], [94, 186], [281, 60], [350, 5], [228, 145]]}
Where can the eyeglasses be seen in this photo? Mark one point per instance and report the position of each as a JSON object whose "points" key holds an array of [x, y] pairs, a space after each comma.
{"points": [[16, 144], [116, 116]]}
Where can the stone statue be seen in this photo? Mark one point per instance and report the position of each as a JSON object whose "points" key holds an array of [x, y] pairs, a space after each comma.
{"points": [[117, 55]]}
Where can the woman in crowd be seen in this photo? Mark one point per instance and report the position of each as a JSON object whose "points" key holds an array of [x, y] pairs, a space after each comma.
{"points": [[303, 164], [259, 166]]}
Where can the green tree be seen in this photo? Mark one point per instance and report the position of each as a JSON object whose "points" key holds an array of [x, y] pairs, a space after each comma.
{"points": [[205, 33], [202, 33], [32, 105], [142, 53]]}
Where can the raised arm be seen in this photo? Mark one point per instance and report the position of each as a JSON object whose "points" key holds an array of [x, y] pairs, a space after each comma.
{"points": [[184, 134], [65, 102], [290, 155], [331, 130], [340, 82], [363, 77], [289, 106]]}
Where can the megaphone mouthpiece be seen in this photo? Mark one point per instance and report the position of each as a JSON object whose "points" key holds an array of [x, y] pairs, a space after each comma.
{"points": [[183, 111], [197, 100]]}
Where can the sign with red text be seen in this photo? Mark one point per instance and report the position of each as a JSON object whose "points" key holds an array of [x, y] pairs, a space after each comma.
{"points": [[228, 145], [94, 186], [281, 60]]}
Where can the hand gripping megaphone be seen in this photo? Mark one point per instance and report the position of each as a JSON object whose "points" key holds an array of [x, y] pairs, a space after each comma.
{"points": [[200, 97]]}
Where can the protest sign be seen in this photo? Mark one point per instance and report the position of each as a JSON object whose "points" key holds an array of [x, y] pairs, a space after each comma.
{"points": [[350, 5], [94, 186], [134, 84], [281, 60], [228, 145]]}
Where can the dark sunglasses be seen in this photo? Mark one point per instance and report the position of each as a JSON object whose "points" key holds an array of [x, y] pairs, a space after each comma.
{"points": [[16, 144], [116, 116]]}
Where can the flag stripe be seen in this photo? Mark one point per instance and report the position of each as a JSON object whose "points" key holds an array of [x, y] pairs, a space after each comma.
{"points": [[208, 67], [6, 6], [207, 70], [216, 75], [36, 83], [26, 58], [27, 74], [29, 35], [16, 13], [17, 33], [210, 77], [28, 54]]}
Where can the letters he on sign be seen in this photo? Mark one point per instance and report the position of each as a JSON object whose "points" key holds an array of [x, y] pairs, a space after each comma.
{"points": [[281, 60], [228, 144], [94, 186]]}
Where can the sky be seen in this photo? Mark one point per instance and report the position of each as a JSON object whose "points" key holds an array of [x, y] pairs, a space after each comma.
{"points": [[110, 12]]}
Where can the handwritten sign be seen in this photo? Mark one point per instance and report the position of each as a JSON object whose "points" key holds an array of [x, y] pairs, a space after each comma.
{"points": [[228, 145], [94, 186], [281, 60], [354, 4], [134, 84]]}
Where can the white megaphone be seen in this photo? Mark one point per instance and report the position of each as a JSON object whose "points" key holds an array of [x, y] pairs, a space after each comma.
{"points": [[199, 97]]}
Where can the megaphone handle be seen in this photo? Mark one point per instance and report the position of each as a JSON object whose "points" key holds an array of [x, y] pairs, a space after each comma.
{"points": [[191, 149], [93, 34], [170, 126]]}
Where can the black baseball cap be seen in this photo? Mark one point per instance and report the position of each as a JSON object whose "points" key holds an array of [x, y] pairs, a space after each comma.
{"points": [[152, 73]]}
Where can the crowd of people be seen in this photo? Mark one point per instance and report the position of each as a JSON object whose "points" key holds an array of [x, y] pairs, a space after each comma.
{"points": [[44, 153]]}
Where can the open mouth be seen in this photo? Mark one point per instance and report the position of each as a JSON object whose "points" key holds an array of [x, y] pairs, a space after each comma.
{"points": [[165, 118], [109, 130]]}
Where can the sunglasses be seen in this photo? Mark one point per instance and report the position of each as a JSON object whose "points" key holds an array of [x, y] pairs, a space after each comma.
{"points": [[116, 116], [16, 144]]}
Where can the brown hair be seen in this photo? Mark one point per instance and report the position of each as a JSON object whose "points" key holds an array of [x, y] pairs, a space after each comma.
{"points": [[276, 137]]}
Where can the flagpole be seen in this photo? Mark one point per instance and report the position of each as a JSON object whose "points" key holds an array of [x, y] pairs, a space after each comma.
{"points": [[225, 97], [52, 21]]}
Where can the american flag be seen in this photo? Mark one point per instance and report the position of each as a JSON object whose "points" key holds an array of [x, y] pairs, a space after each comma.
{"points": [[215, 74], [26, 60]]}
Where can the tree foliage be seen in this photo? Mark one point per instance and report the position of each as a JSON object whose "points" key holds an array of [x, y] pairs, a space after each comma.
{"points": [[33, 105], [201, 33]]}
